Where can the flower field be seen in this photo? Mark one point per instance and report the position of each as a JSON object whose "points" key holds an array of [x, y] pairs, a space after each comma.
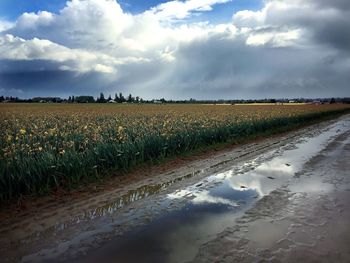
{"points": [[49, 146]]}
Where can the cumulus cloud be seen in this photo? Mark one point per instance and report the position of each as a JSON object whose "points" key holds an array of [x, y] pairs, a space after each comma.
{"points": [[101, 25], [320, 22], [81, 23], [287, 48], [15, 48], [5, 25]]}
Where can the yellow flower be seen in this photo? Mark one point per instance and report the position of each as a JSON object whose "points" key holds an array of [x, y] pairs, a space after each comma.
{"points": [[22, 131]]}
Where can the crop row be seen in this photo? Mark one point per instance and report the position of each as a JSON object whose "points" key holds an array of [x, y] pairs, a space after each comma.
{"points": [[45, 148]]}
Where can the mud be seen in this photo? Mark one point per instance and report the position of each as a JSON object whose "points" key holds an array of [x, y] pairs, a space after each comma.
{"points": [[260, 201]]}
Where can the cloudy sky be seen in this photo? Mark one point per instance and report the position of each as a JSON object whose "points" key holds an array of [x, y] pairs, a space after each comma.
{"points": [[204, 49]]}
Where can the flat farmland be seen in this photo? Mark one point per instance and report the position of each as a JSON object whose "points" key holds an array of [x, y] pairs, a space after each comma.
{"points": [[51, 146]]}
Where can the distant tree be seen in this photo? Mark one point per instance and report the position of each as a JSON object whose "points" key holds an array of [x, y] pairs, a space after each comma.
{"points": [[137, 99], [345, 100], [2, 98], [130, 98], [109, 97], [73, 99], [85, 99], [116, 98], [101, 99], [332, 101], [121, 97], [69, 99]]}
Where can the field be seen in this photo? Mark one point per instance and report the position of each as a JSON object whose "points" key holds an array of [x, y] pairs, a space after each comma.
{"points": [[49, 146]]}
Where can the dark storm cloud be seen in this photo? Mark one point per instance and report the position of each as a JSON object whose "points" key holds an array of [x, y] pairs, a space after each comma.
{"points": [[22, 66], [337, 4], [52, 83], [332, 26], [234, 70], [334, 32], [327, 22]]}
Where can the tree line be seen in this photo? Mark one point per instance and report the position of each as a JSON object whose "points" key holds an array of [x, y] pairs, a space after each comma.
{"points": [[120, 98]]}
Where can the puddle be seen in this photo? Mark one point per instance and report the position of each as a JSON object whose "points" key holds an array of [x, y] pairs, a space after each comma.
{"points": [[212, 205], [110, 208], [134, 195]]}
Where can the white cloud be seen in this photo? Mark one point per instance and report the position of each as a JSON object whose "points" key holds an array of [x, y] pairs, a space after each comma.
{"points": [[29, 21], [101, 27], [247, 18], [183, 9], [15, 48], [81, 23], [311, 21], [5, 25], [277, 39]]}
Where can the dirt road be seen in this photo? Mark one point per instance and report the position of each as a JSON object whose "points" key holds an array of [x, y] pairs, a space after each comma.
{"points": [[283, 199], [305, 220]]}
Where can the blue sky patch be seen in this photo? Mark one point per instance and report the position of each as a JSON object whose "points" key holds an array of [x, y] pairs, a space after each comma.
{"points": [[221, 13]]}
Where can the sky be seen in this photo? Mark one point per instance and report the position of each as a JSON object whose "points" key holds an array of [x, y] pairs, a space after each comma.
{"points": [[202, 49]]}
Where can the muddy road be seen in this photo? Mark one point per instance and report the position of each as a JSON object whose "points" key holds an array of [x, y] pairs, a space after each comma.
{"points": [[283, 199]]}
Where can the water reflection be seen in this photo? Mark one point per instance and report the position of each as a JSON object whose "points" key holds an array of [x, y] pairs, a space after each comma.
{"points": [[256, 177], [135, 195], [109, 208], [173, 237]]}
